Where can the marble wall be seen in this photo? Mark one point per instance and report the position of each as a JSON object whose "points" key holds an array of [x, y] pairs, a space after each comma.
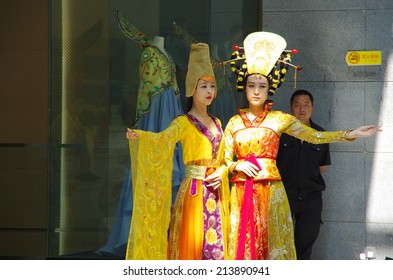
{"points": [[358, 201]]}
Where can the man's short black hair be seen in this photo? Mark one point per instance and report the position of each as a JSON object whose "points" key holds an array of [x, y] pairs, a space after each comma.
{"points": [[302, 92]]}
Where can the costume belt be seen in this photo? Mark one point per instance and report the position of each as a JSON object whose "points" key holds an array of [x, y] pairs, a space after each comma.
{"points": [[197, 173], [268, 170]]}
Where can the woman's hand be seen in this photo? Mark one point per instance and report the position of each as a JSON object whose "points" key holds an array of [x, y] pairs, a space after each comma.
{"points": [[213, 180], [131, 135], [365, 131], [248, 168]]}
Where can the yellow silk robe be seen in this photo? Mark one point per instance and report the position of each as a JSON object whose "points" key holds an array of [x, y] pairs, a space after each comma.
{"points": [[151, 161], [272, 236]]}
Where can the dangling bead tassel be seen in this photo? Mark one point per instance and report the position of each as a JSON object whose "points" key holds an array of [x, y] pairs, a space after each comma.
{"points": [[294, 78]]}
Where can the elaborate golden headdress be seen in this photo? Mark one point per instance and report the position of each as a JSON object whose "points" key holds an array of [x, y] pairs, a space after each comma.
{"points": [[263, 53]]}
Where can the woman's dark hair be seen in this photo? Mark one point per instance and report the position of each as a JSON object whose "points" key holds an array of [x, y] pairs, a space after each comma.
{"points": [[189, 103], [276, 76], [302, 92]]}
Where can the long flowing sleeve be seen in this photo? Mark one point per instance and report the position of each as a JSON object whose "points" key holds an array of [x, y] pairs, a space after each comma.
{"points": [[229, 146], [151, 161], [299, 130]]}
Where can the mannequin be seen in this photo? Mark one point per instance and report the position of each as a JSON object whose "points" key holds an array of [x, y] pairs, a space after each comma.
{"points": [[158, 42], [158, 103]]}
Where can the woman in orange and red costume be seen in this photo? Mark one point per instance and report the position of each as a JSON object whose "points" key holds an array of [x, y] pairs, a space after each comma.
{"points": [[261, 223]]}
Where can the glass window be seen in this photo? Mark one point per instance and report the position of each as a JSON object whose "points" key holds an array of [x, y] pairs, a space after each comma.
{"points": [[95, 93]]}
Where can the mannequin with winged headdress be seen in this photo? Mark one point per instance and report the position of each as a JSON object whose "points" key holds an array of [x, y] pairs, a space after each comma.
{"points": [[261, 223], [158, 103]]}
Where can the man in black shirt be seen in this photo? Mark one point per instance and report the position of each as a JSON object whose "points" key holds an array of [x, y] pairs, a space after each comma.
{"points": [[300, 165]]}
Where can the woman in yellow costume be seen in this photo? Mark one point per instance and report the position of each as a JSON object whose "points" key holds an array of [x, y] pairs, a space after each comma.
{"points": [[261, 223], [199, 222]]}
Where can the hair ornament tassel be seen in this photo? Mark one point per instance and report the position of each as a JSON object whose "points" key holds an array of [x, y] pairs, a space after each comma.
{"points": [[288, 62]]}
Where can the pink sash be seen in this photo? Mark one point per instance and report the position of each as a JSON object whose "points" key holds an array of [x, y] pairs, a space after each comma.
{"points": [[247, 215]]}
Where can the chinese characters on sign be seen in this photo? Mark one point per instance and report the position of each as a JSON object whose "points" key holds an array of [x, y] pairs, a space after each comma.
{"points": [[363, 58]]}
